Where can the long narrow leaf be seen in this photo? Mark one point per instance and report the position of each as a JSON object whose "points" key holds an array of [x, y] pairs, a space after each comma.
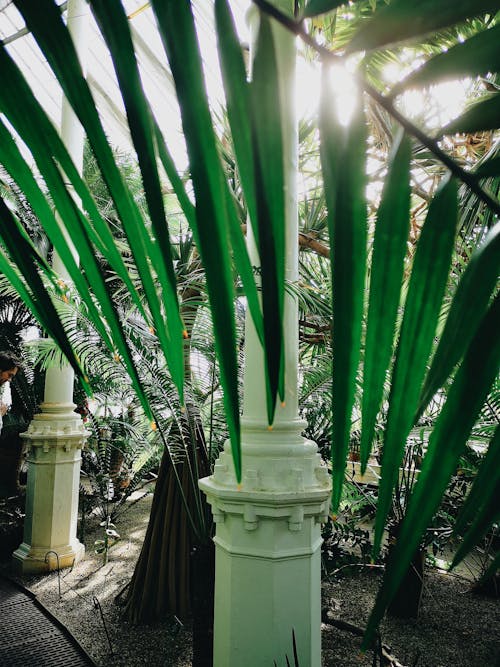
{"points": [[487, 477], [237, 91], [39, 133], [14, 276], [115, 29], [38, 124], [488, 168], [484, 115], [425, 294], [478, 55], [13, 161], [241, 258], [448, 439], [176, 26], [43, 142], [389, 248], [486, 517], [404, 19], [345, 194], [245, 269], [44, 20], [331, 146], [469, 304], [269, 186], [173, 176], [26, 258]]}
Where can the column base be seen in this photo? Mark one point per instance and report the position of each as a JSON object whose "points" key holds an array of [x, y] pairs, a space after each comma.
{"points": [[38, 560], [268, 551], [55, 438]]}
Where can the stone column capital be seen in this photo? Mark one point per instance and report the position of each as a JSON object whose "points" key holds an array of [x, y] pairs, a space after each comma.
{"points": [[58, 428], [281, 481], [251, 507]]}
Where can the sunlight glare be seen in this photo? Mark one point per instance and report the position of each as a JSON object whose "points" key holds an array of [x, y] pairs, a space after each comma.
{"points": [[451, 98], [308, 90], [345, 93], [395, 71], [437, 105]]}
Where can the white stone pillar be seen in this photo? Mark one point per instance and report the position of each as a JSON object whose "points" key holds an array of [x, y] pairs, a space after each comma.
{"points": [[56, 435], [268, 532]]}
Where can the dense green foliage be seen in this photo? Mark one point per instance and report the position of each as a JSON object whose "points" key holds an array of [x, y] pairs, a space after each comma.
{"points": [[469, 348]]}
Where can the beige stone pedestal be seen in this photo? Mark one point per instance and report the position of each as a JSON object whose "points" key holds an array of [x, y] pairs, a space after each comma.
{"points": [[55, 438]]}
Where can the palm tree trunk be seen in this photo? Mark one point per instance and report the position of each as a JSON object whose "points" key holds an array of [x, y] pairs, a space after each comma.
{"points": [[406, 601], [161, 581]]}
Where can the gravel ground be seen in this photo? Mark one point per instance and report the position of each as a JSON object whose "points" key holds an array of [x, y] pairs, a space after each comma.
{"points": [[456, 628], [87, 604]]}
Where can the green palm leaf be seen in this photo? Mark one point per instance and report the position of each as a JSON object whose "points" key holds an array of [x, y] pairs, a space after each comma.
{"points": [[343, 165], [465, 399], [17, 167], [176, 26], [52, 32], [39, 133], [269, 186], [481, 505], [425, 295], [25, 256], [479, 54], [469, 304], [406, 19], [488, 168], [389, 249], [237, 92], [52, 35], [114, 27], [173, 176], [482, 116]]}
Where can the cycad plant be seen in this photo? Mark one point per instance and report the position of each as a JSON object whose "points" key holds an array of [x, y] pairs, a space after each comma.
{"points": [[469, 348]]}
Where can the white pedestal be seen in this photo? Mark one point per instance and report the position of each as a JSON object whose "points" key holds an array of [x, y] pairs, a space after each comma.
{"points": [[55, 438], [268, 539]]}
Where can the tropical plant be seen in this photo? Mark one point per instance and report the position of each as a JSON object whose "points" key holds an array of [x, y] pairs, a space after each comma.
{"points": [[347, 539], [116, 461], [15, 321], [469, 349], [26, 389]]}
